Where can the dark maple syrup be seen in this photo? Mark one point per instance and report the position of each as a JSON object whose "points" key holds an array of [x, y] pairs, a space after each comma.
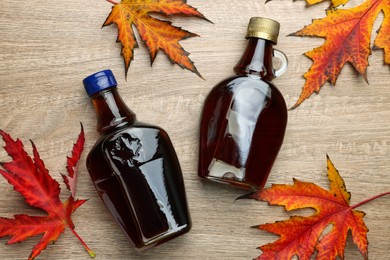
{"points": [[244, 117], [135, 170]]}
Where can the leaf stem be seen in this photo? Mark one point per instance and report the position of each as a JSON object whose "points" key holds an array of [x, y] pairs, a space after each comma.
{"points": [[90, 252], [370, 199], [112, 2]]}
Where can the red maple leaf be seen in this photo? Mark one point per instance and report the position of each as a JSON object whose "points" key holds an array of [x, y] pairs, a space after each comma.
{"points": [[32, 180]]}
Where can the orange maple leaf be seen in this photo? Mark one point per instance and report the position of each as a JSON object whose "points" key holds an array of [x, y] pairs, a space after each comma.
{"points": [[333, 3], [299, 235], [31, 179], [155, 33], [347, 33]]}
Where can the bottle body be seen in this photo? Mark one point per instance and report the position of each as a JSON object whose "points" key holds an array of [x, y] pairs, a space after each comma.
{"points": [[241, 131], [135, 170], [244, 117], [137, 174]]}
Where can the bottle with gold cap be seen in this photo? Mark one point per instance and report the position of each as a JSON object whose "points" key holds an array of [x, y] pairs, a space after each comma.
{"points": [[245, 116]]}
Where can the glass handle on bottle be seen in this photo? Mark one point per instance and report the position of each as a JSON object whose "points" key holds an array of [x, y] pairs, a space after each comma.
{"points": [[283, 58]]}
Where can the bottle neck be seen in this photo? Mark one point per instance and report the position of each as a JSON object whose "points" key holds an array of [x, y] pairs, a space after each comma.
{"points": [[111, 111], [257, 59]]}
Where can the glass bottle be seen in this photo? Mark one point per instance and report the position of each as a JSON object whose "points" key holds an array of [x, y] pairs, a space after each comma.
{"points": [[245, 116], [135, 169]]}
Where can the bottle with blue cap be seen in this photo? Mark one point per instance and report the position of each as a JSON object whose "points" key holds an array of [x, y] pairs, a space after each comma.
{"points": [[135, 169]]}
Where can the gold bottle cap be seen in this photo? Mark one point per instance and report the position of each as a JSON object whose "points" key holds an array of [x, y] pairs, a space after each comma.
{"points": [[264, 28]]}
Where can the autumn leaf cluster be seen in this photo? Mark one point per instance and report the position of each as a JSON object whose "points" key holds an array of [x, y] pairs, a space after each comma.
{"points": [[347, 34]]}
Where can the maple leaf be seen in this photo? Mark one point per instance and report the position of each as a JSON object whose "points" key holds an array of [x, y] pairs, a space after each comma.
{"points": [[71, 177], [32, 180], [347, 33], [299, 235], [156, 34]]}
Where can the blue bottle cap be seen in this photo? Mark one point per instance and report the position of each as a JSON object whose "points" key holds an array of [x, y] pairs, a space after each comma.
{"points": [[99, 81]]}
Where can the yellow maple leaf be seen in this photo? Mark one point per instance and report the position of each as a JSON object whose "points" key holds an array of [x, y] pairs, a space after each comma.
{"points": [[382, 41]]}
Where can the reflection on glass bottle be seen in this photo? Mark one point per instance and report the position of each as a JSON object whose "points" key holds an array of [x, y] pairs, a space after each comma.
{"points": [[244, 117], [127, 153], [244, 110]]}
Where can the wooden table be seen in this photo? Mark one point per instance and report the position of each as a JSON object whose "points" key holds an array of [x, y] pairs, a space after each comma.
{"points": [[48, 47]]}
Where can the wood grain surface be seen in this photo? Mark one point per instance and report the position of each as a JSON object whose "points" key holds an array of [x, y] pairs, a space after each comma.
{"points": [[48, 47]]}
